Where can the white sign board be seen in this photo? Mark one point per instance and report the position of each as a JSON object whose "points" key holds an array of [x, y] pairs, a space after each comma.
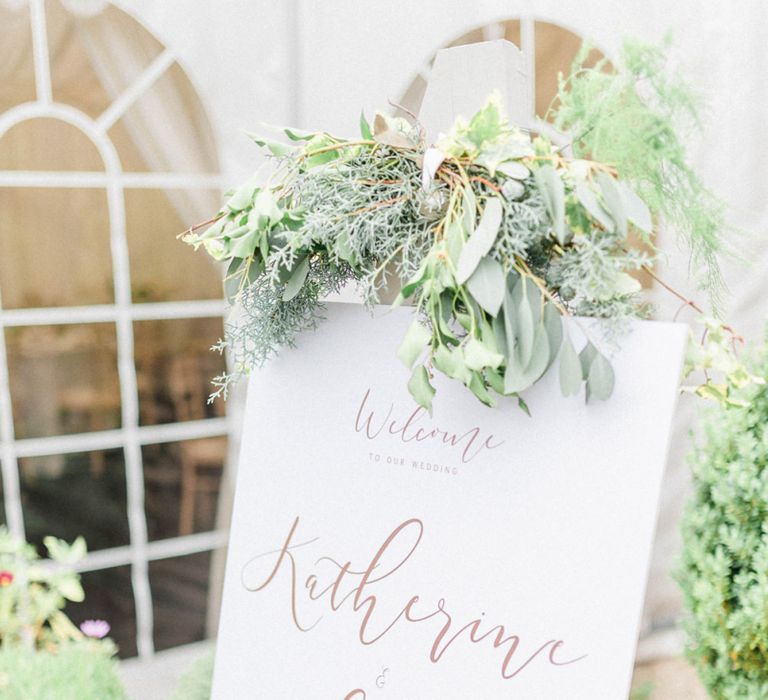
{"points": [[380, 553]]}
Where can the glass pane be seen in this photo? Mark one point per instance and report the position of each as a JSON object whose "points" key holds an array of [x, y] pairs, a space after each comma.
{"points": [[17, 73], [109, 596], [63, 379], [76, 494], [182, 483], [180, 598], [166, 129], [54, 247], [95, 54], [154, 219], [174, 368], [47, 144]]}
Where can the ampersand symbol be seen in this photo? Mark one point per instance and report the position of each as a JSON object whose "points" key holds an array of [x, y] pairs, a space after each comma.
{"points": [[381, 680]]}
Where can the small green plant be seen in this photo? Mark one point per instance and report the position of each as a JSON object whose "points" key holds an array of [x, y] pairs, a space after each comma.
{"points": [[33, 592], [724, 572], [80, 670], [43, 655]]}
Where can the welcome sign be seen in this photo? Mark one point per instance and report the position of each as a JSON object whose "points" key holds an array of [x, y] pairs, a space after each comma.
{"points": [[378, 552]]}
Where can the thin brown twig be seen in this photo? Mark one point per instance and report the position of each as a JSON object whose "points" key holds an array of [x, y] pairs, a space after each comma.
{"points": [[688, 302], [336, 146], [487, 183], [194, 227], [375, 205]]}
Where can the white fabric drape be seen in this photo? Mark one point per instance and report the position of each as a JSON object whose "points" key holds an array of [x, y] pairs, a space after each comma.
{"points": [[166, 119]]}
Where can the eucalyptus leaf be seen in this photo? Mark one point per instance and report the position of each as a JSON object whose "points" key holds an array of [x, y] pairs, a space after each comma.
{"points": [[487, 285], [242, 197], [552, 190], [614, 201], [414, 342], [275, 147], [454, 240], [344, 249], [452, 364], [553, 322], [514, 169], [214, 230], [570, 369], [586, 357], [469, 210], [481, 240], [245, 245], [539, 360], [477, 356], [588, 199], [266, 207], [413, 284], [637, 210], [233, 280], [296, 280], [601, 378], [513, 189], [495, 380], [298, 135], [478, 388], [515, 378], [317, 154], [420, 388], [525, 312]]}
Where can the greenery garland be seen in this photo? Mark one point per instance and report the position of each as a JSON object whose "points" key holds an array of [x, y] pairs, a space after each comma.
{"points": [[493, 234]]}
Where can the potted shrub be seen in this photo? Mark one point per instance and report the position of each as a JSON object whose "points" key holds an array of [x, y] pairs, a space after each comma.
{"points": [[43, 655], [724, 573]]}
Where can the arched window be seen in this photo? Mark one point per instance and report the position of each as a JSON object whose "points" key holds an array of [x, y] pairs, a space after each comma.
{"points": [[106, 154]]}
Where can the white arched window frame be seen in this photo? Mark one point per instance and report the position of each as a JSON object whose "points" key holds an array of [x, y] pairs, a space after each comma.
{"points": [[131, 436]]}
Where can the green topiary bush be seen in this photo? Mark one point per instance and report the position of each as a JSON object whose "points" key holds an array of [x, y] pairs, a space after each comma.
{"points": [[724, 572]]}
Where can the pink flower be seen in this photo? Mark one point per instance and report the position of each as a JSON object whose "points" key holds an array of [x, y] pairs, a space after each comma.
{"points": [[6, 578], [98, 629]]}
